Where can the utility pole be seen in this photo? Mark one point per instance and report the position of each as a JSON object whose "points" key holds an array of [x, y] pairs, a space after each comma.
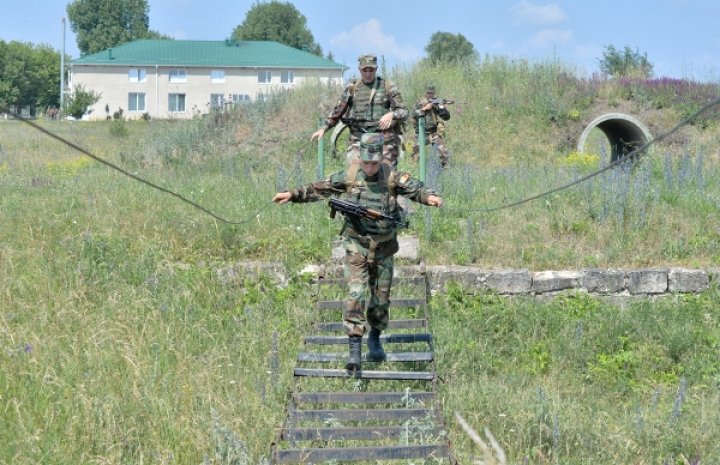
{"points": [[62, 69]]}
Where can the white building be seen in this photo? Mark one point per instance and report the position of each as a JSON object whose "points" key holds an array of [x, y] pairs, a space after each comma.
{"points": [[182, 78]]}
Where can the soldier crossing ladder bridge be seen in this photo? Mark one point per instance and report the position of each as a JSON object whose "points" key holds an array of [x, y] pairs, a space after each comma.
{"points": [[388, 411]]}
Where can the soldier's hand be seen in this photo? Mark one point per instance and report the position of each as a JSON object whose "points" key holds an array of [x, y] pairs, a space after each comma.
{"points": [[317, 134], [427, 106], [386, 120], [434, 201], [282, 197]]}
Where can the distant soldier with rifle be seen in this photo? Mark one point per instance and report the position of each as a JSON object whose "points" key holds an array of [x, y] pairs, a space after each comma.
{"points": [[435, 113], [369, 104], [369, 236]]}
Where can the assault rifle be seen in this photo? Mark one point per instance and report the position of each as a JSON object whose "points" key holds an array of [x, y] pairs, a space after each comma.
{"points": [[355, 211], [440, 101]]}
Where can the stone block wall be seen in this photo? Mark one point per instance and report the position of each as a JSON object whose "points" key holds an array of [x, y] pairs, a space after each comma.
{"points": [[602, 282], [644, 281], [594, 281]]}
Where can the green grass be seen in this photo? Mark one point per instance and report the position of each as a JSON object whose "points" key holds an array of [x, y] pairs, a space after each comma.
{"points": [[577, 380], [123, 340]]}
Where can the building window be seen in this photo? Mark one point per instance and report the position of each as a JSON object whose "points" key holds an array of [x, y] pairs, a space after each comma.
{"points": [[264, 77], [287, 77], [239, 98], [217, 76], [178, 75], [136, 101], [137, 75], [216, 101], [176, 103]]}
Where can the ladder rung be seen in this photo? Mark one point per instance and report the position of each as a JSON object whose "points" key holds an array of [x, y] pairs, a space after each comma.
{"points": [[396, 280], [337, 326], [398, 302], [391, 357], [381, 414], [360, 397], [386, 338], [347, 454], [366, 433], [365, 374]]}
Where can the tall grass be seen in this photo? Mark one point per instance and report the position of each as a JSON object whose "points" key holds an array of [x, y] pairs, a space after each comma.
{"points": [[123, 338], [577, 380]]}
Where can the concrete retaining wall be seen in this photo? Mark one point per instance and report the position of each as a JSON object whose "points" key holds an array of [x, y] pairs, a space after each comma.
{"points": [[632, 282], [603, 282], [646, 281]]}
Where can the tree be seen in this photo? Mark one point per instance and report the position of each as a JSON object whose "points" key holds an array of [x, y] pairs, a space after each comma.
{"points": [[29, 75], [626, 63], [79, 101], [279, 22], [445, 47], [101, 24]]}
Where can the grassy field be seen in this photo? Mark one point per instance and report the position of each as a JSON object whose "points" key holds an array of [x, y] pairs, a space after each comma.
{"points": [[122, 342]]}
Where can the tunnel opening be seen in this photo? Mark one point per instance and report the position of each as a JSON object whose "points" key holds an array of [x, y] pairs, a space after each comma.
{"points": [[623, 134]]}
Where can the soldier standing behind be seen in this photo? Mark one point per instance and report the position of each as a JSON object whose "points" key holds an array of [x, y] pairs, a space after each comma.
{"points": [[435, 114], [370, 104], [370, 245]]}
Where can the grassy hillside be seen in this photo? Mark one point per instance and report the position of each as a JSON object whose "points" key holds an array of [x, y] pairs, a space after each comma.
{"points": [[122, 340]]}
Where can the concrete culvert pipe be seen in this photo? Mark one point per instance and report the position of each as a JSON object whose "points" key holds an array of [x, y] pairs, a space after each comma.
{"points": [[624, 133]]}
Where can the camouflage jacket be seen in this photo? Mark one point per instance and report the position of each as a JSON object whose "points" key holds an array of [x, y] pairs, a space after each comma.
{"points": [[386, 98], [433, 117], [378, 192]]}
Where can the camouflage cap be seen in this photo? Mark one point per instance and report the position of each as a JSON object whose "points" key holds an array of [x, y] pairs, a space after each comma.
{"points": [[429, 88], [371, 147], [367, 61]]}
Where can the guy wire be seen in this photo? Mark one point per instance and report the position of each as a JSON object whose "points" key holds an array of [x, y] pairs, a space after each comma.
{"points": [[133, 176], [633, 156]]}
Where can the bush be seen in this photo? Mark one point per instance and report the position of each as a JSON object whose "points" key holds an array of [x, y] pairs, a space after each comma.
{"points": [[118, 128], [79, 102]]}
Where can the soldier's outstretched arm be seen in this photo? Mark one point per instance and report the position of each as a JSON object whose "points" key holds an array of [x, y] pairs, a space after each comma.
{"points": [[334, 117], [321, 190], [415, 190], [434, 201], [282, 197], [317, 134]]}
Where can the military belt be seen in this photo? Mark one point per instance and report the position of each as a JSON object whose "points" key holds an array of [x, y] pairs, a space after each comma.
{"points": [[372, 241]]}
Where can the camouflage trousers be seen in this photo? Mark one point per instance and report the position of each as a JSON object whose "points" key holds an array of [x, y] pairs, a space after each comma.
{"points": [[391, 150], [438, 142], [369, 275]]}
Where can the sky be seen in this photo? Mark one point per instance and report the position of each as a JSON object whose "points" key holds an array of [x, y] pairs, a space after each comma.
{"points": [[680, 37]]}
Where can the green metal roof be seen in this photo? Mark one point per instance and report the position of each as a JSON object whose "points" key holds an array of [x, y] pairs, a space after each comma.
{"points": [[204, 53]]}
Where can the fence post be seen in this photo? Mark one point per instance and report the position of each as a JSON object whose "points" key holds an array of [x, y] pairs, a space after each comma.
{"points": [[321, 153], [421, 145]]}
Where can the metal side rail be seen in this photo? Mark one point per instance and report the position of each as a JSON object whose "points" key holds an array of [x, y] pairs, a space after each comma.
{"points": [[330, 418]]}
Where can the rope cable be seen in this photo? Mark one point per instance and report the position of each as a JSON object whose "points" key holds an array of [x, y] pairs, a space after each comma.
{"points": [[634, 155], [131, 175]]}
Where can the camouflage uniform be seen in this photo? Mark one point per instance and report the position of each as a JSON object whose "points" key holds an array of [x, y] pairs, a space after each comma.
{"points": [[434, 127], [369, 245], [362, 105]]}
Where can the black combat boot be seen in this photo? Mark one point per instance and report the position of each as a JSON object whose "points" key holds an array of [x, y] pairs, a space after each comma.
{"points": [[375, 350], [355, 342]]}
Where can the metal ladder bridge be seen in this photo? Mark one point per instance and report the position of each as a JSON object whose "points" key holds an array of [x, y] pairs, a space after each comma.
{"points": [[387, 411]]}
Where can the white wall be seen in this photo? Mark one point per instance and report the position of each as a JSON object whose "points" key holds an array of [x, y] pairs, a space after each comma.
{"points": [[113, 84]]}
